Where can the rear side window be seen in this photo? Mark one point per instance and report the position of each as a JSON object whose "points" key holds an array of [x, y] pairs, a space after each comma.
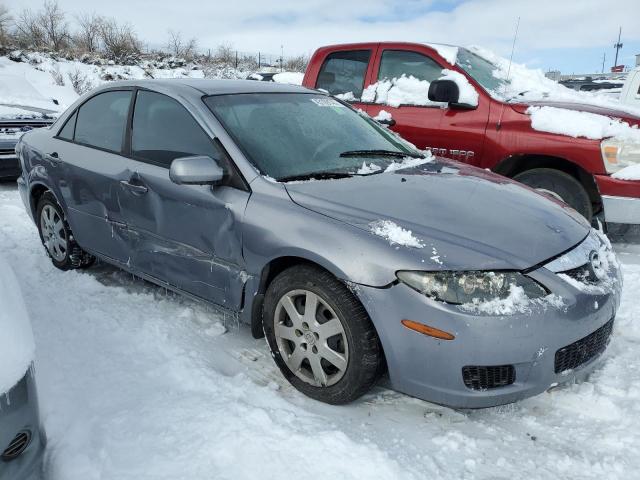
{"points": [[343, 72], [69, 127], [102, 120], [164, 130], [395, 63]]}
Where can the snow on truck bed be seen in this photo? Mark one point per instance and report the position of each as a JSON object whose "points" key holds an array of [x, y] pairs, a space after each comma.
{"points": [[137, 383]]}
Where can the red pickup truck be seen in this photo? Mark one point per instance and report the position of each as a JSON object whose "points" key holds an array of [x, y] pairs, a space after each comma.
{"points": [[483, 129]]}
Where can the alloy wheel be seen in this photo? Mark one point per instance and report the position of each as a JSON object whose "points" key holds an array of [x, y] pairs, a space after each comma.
{"points": [[53, 233], [311, 338]]}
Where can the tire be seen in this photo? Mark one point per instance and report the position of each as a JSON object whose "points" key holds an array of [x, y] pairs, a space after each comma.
{"points": [[560, 185], [57, 238], [359, 353]]}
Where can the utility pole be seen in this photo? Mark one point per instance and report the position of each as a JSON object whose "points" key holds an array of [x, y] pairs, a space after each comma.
{"points": [[281, 57], [618, 46], [604, 58]]}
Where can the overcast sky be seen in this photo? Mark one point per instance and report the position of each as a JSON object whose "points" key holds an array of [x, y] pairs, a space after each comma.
{"points": [[554, 34]]}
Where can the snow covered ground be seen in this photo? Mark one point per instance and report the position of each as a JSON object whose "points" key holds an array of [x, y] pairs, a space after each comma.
{"points": [[137, 383]]}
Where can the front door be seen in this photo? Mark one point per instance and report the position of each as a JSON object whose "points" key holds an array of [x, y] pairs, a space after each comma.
{"points": [[188, 236], [87, 164], [402, 79]]}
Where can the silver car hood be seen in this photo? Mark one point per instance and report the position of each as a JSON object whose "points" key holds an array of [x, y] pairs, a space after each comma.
{"points": [[460, 210]]}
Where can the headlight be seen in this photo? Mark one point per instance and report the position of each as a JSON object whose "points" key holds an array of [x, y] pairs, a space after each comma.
{"points": [[465, 287], [618, 155]]}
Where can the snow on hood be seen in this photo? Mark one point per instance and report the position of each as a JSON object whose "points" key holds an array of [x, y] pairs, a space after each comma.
{"points": [[530, 85], [16, 90], [581, 124], [16, 338], [473, 218]]}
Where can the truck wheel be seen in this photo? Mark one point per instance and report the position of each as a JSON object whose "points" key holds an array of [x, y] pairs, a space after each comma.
{"points": [[560, 185], [320, 335], [57, 238]]}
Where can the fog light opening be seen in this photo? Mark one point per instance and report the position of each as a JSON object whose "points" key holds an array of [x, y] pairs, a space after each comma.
{"points": [[427, 330]]}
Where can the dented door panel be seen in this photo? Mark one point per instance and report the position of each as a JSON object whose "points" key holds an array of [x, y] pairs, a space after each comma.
{"points": [[188, 236]]}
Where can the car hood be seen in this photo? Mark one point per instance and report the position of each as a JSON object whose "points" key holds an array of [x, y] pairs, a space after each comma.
{"points": [[582, 107], [473, 218]]}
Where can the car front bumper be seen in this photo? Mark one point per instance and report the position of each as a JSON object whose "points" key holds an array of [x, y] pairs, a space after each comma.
{"points": [[9, 166], [19, 412], [431, 369]]}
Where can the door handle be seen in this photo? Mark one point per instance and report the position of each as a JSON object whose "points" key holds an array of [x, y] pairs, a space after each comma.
{"points": [[134, 188], [391, 122], [53, 157]]}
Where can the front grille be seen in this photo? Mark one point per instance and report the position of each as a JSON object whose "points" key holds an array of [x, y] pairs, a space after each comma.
{"points": [[18, 445], [486, 378], [585, 349]]}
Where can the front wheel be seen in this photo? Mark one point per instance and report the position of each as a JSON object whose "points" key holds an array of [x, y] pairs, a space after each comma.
{"points": [[561, 186], [57, 238], [320, 335]]}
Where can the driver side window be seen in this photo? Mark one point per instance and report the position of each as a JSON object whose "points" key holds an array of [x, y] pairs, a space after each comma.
{"points": [[163, 130]]}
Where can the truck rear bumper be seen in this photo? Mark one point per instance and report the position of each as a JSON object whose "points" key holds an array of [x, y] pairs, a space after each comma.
{"points": [[620, 199]]}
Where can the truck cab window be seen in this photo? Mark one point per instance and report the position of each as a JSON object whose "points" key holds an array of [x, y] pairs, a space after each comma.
{"points": [[395, 63], [343, 72]]}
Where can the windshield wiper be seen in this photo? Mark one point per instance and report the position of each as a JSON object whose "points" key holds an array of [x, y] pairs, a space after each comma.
{"points": [[379, 153], [315, 175]]}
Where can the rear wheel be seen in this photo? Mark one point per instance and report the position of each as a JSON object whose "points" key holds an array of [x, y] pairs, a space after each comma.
{"points": [[57, 238], [320, 335], [561, 186]]}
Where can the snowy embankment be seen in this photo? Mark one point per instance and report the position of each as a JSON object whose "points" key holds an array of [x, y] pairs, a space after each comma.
{"points": [[137, 383], [63, 79]]}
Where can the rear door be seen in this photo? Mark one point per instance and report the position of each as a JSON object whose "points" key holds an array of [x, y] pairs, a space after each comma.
{"points": [[344, 73], [448, 132], [188, 236], [86, 164]]}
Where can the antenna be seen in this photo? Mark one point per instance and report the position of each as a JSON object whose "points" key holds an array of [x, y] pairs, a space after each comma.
{"points": [[617, 46], [513, 47]]}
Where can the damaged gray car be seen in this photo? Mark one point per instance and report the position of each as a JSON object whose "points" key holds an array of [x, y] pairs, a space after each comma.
{"points": [[354, 254]]}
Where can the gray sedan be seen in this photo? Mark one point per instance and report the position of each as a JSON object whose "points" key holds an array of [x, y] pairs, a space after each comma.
{"points": [[353, 253]]}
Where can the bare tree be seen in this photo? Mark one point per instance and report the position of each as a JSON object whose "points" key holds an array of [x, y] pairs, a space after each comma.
{"points": [[119, 41], [87, 37], [5, 22], [181, 48], [79, 81], [29, 32], [297, 64], [53, 23], [224, 54]]}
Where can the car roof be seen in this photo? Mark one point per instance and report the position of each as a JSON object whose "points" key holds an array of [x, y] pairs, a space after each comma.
{"points": [[213, 87]]}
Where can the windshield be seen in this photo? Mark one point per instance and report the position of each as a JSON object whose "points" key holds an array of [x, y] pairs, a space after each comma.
{"points": [[480, 70], [287, 135]]}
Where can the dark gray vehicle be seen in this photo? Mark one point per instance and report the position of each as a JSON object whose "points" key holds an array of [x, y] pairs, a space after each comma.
{"points": [[12, 127], [352, 252], [22, 439]]}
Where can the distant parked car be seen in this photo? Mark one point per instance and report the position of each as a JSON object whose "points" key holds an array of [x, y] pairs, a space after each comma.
{"points": [[14, 122], [22, 438], [631, 90], [590, 85], [22, 109], [351, 250]]}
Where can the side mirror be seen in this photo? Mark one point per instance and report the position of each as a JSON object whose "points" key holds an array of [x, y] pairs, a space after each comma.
{"points": [[447, 91], [197, 170]]}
